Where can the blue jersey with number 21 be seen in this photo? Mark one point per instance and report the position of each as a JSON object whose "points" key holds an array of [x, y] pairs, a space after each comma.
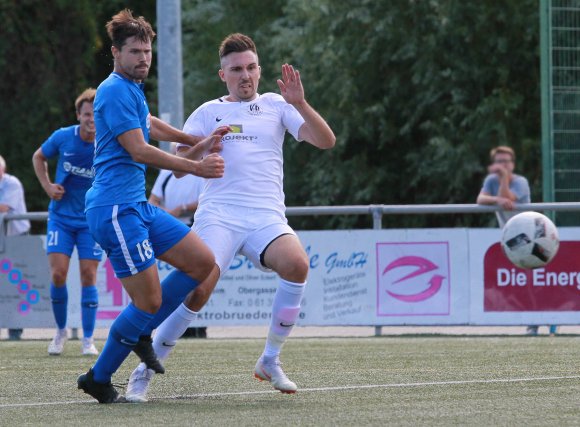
{"points": [[119, 106], [74, 171]]}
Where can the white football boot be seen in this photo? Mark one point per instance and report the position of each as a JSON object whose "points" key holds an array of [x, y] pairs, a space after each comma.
{"points": [[139, 384], [89, 348], [57, 344], [270, 369]]}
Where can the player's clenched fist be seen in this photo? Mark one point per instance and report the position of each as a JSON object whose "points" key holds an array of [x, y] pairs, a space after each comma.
{"points": [[211, 166]]}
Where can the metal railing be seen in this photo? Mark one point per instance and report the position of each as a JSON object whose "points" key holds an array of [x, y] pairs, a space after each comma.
{"points": [[376, 211]]}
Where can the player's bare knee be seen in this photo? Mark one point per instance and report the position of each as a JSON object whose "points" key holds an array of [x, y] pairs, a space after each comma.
{"points": [[58, 276], [295, 269], [200, 267], [149, 305], [150, 302], [88, 276]]}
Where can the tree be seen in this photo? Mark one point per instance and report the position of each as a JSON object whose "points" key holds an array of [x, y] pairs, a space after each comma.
{"points": [[49, 53], [417, 93]]}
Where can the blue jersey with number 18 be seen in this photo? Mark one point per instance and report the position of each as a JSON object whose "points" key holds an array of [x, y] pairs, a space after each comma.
{"points": [[119, 106]]}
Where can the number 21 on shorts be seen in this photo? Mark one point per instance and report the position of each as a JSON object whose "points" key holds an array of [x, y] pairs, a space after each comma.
{"points": [[52, 238]]}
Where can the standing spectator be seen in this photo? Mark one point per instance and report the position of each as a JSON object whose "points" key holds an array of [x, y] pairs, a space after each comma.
{"points": [[504, 188], [67, 225], [177, 196], [12, 201]]}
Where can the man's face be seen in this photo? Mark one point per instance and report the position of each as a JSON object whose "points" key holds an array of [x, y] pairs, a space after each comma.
{"points": [[241, 73], [504, 160], [134, 59], [86, 118]]}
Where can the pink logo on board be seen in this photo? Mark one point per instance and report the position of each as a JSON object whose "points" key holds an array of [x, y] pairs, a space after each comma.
{"points": [[114, 300], [413, 279]]}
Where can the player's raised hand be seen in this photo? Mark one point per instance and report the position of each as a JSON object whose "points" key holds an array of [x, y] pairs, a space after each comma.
{"points": [[212, 166], [290, 85], [55, 191]]}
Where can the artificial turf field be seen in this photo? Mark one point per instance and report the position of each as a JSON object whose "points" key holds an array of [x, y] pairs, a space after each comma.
{"points": [[403, 380]]}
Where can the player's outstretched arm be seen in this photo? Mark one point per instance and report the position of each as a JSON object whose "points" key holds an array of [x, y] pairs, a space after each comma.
{"points": [[133, 141], [315, 130], [211, 144], [161, 131]]}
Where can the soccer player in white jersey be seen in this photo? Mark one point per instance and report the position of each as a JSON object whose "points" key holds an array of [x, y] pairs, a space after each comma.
{"points": [[243, 212]]}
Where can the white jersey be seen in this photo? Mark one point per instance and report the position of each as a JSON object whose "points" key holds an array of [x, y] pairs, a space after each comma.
{"points": [[175, 192], [252, 151]]}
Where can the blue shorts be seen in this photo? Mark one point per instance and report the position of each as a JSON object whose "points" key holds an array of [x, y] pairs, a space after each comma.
{"points": [[134, 234], [61, 237]]}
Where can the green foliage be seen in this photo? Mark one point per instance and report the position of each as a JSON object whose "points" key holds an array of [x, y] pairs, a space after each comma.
{"points": [[204, 25], [46, 58], [49, 53], [417, 92]]}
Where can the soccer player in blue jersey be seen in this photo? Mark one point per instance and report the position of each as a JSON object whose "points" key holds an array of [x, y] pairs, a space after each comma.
{"points": [[132, 232], [67, 225]]}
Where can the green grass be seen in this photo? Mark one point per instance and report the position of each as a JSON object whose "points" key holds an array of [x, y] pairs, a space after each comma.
{"points": [[421, 380]]}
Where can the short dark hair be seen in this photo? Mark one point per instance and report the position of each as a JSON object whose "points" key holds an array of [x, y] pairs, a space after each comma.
{"points": [[123, 25], [502, 149], [236, 42], [88, 95]]}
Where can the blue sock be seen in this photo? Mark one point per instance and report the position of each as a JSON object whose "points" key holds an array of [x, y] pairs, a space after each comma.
{"points": [[123, 336], [59, 298], [89, 305], [175, 288]]}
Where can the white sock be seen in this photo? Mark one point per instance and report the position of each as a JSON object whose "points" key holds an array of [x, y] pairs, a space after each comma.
{"points": [[285, 311], [171, 329]]}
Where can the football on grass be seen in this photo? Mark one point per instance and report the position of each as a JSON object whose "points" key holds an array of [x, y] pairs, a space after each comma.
{"points": [[530, 240]]}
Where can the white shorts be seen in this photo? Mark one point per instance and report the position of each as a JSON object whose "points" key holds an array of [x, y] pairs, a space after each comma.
{"points": [[228, 230]]}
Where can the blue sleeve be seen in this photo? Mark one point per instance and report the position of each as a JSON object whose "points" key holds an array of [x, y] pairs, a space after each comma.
{"points": [[487, 185], [521, 189], [50, 148], [121, 112]]}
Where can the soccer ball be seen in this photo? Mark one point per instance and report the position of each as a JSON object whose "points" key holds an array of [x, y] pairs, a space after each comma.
{"points": [[530, 240]]}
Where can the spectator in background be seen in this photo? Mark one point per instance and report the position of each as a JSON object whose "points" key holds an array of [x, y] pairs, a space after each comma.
{"points": [[12, 202], [67, 226], [504, 188], [179, 197]]}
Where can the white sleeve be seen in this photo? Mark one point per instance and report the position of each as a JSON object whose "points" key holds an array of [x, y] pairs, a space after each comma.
{"points": [[194, 125], [13, 194], [291, 119], [157, 190]]}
